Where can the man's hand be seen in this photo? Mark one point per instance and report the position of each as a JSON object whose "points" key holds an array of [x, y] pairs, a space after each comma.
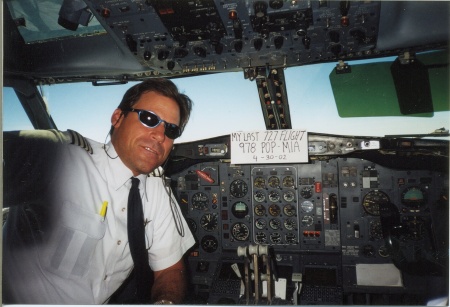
{"points": [[170, 284]]}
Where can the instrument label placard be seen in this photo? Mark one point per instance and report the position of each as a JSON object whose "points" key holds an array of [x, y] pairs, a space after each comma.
{"points": [[269, 146]]}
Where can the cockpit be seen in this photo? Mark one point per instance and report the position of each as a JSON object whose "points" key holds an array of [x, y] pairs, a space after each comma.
{"points": [[314, 170]]}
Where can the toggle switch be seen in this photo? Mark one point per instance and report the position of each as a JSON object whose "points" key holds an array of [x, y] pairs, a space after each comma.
{"points": [[356, 231]]}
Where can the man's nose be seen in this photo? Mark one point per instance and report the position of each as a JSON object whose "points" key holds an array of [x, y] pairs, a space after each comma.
{"points": [[158, 133]]}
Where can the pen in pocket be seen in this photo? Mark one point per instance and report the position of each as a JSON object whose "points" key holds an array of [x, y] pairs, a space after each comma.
{"points": [[103, 210]]}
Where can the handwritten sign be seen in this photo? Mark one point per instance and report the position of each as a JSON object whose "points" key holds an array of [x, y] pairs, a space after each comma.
{"points": [[269, 146]]}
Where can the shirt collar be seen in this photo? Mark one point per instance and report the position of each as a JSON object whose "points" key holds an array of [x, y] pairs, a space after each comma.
{"points": [[118, 173]]}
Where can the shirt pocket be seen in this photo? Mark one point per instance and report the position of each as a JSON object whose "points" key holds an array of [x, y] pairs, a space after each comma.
{"points": [[71, 244]]}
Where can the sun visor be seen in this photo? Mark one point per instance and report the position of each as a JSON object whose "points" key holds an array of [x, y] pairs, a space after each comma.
{"points": [[387, 89]]}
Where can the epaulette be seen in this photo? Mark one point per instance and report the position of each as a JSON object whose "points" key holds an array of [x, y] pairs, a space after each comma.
{"points": [[157, 172], [77, 139]]}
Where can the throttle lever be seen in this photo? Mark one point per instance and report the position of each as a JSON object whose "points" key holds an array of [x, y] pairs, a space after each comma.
{"points": [[273, 263]]}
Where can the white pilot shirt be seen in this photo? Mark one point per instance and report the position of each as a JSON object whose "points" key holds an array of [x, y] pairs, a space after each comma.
{"points": [[86, 257]]}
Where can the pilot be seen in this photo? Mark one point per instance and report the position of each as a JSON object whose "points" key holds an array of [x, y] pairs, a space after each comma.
{"points": [[84, 214]]}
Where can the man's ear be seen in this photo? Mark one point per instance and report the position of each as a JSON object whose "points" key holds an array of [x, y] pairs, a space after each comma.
{"points": [[116, 117]]}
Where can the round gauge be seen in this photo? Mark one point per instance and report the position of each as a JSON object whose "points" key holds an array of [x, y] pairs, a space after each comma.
{"points": [[209, 244], [274, 196], [289, 210], [200, 201], [275, 237], [260, 223], [307, 206], [288, 196], [259, 196], [192, 225], [274, 182], [239, 209], [290, 224], [306, 192], [372, 200], [375, 231], [275, 224], [260, 210], [209, 222], [413, 197], [238, 188], [291, 238], [383, 251], [259, 182], [288, 181], [307, 220], [260, 237], [240, 231], [274, 210]]}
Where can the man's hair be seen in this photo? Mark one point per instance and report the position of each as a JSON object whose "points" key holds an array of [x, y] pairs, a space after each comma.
{"points": [[162, 86]]}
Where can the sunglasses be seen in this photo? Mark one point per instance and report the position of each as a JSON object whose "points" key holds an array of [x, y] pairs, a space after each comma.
{"points": [[151, 120]]}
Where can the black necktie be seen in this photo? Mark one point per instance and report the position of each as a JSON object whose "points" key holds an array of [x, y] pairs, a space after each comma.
{"points": [[136, 238]]}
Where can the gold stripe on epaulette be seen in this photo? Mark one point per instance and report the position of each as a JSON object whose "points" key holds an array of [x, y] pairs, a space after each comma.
{"points": [[79, 140], [157, 172]]}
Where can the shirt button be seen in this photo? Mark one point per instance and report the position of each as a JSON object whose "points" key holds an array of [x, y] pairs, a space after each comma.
{"points": [[106, 276], [123, 209], [118, 242]]}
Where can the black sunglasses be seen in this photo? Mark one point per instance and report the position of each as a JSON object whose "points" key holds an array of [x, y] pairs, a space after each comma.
{"points": [[151, 120]]}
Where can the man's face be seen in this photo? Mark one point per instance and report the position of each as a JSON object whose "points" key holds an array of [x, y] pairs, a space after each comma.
{"points": [[142, 149]]}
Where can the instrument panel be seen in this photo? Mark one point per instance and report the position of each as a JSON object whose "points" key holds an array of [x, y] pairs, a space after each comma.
{"points": [[335, 214]]}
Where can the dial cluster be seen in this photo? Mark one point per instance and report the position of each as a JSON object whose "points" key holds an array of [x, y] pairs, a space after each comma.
{"points": [[275, 205]]}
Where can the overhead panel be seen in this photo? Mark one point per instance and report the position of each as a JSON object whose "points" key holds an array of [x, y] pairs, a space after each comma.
{"points": [[170, 38], [183, 37]]}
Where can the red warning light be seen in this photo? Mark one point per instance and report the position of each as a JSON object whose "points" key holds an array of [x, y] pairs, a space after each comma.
{"points": [[232, 15], [318, 187], [345, 21]]}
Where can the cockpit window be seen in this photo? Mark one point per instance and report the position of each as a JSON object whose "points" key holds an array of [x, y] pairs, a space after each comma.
{"points": [[14, 116], [230, 103]]}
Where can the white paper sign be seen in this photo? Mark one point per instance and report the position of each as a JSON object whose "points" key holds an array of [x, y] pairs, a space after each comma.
{"points": [[269, 146]]}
